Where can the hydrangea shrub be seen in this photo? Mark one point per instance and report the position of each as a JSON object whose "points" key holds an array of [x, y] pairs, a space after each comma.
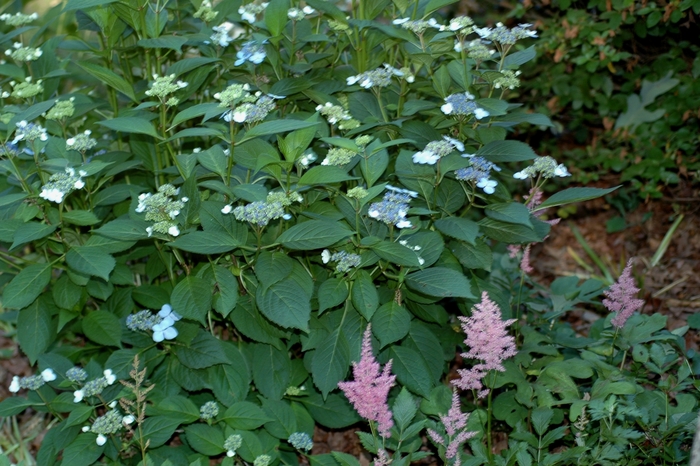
{"points": [[212, 214]]}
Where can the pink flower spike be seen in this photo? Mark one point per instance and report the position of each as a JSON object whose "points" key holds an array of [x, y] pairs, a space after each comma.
{"points": [[621, 297], [455, 424], [488, 340], [369, 391]]}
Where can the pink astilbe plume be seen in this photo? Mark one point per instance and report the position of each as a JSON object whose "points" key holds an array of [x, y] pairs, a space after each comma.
{"points": [[488, 340], [369, 391], [621, 297], [455, 423]]}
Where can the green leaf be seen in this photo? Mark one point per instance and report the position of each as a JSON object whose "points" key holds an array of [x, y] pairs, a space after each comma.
{"points": [[440, 281], [91, 260], [245, 415], [506, 151], [204, 351], [271, 371], [80, 217], [364, 294], [334, 412], [31, 231], [391, 323], [478, 256], [274, 127], [411, 370], [83, 4], [14, 405], [103, 327], [195, 132], [109, 77], [510, 212], [206, 242], [84, 451], [159, 429], [459, 228], [178, 407], [131, 125], [396, 253], [66, 294], [164, 42], [227, 296], [36, 329], [330, 361], [508, 232], [214, 159], [26, 286], [276, 16], [283, 421], [324, 174], [514, 60], [331, 293], [124, 229], [191, 298], [12, 198], [404, 409], [207, 440], [189, 64], [79, 415], [286, 304], [314, 234], [572, 195]]}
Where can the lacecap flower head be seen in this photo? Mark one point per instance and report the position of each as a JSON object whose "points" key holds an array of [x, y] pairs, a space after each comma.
{"points": [[393, 209]]}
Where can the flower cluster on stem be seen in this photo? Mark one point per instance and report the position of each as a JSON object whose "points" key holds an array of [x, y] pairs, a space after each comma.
{"points": [[621, 297]]}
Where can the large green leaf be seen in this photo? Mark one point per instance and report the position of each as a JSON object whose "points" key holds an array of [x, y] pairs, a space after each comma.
{"points": [[314, 234], [80, 217], [158, 429], [165, 42], [203, 351], [36, 329], [508, 233], [325, 174], [178, 407], [83, 4], [206, 242], [510, 212], [91, 260], [191, 298], [124, 229], [245, 415], [286, 304], [391, 323], [31, 231], [131, 125], [506, 151], [364, 294], [103, 327], [271, 371], [440, 281], [411, 370], [274, 127], [206, 439], [396, 253], [84, 451], [459, 228], [331, 293], [26, 286], [109, 77], [330, 361], [571, 195], [276, 16]]}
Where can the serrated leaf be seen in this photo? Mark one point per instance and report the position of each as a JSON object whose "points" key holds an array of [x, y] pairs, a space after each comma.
{"points": [[286, 304], [26, 286], [203, 351], [283, 421], [274, 127], [103, 327], [84, 450], [108, 77], [314, 234], [14, 405], [331, 293], [91, 260], [271, 371], [191, 298], [510, 212], [177, 407], [391, 323], [245, 415], [124, 229], [572, 195], [206, 242], [80, 217], [131, 125], [364, 294], [506, 151], [441, 282], [31, 231], [396, 253], [411, 370], [330, 362], [508, 233], [459, 228], [325, 174], [207, 440]]}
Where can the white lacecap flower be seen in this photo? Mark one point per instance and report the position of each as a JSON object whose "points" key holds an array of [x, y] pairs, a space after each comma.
{"points": [[404, 224], [149, 230], [480, 113], [308, 10], [488, 185], [227, 209], [173, 230], [128, 419], [111, 378], [85, 429], [101, 440], [14, 385], [326, 256], [113, 404], [48, 375], [78, 396]]}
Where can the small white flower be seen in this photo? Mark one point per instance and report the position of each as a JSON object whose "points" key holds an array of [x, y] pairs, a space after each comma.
{"points": [[70, 141], [456, 143], [128, 419], [425, 157], [480, 113], [149, 230], [78, 396], [173, 230], [101, 440], [79, 184], [373, 213], [113, 404], [326, 256], [86, 429], [421, 261], [185, 199], [48, 375], [352, 80], [561, 170], [404, 224], [308, 10], [239, 116], [111, 378], [231, 453], [521, 175], [447, 109], [14, 385], [399, 21], [489, 186], [227, 209]]}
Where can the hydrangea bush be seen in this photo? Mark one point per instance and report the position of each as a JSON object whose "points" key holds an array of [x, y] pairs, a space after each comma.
{"points": [[223, 225]]}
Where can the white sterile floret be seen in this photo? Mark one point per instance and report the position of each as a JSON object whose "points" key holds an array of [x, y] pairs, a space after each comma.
{"points": [[128, 419], [78, 396], [14, 385], [325, 256], [488, 185], [101, 440], [85, 429], [227, 209], [48, 375], [308, 10], [173, 230], [109, 376]]}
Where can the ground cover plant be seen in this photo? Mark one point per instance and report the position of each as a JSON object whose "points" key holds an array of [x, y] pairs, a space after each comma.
{"points": [[223, 225]]}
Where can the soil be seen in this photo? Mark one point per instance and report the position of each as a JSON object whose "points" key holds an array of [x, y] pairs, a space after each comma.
{"points": [[671, 287]]}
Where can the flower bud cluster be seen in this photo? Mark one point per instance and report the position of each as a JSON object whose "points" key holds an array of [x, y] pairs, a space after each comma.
{"points": [[18, 19], [163, 86], [479, 172], [252, 112], [463, 104], [262, 460], [61, 109], [33, 382], [335, 114], [61, 184], [76, 374], [381, 77], [261, 212], [209, 410], [362, 141], [26, 89], [162, 209], [508, 79], [29, 132], [206, 12], [504, 36], [301, 441], [232, 443], [252, 51], [297, 14], [110, 423], [345, 261], [357, 192], [435, 150], [393, 207], [82, 142], [225, 33], [250, 11], [234, 95], [95, 386], [162, 324], [462, 25], [417, 27], [338, 156], [476, 49], [20, 53], [295, 391], [546, 167]]}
